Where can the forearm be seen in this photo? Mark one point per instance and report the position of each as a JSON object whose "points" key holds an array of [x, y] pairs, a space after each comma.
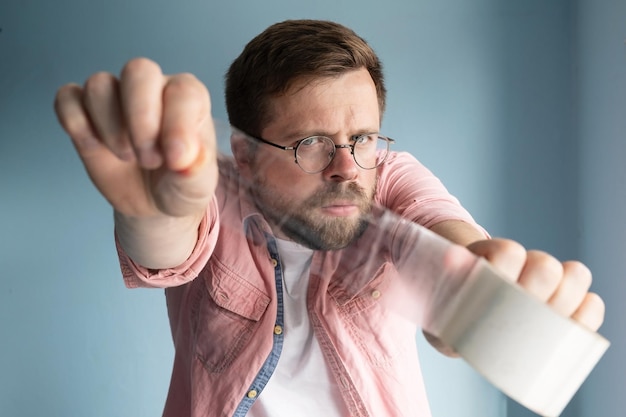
{"points": [[459, 232], [157, 242], [462, 233]]}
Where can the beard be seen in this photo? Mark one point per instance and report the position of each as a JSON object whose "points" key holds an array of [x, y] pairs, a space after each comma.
{"points": [[302, 221]]}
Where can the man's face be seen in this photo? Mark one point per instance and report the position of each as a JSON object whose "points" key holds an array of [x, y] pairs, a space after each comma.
{"points": [[324, 210]]}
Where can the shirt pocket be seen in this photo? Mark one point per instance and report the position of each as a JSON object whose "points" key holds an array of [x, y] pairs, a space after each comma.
{"points": [[383, 337], [225, 315]]}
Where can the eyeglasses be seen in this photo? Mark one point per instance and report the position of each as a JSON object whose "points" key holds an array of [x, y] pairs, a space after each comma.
{"points": [[315, 153]]}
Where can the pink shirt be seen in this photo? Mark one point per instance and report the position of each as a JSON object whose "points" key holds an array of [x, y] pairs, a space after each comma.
{"points": [[227, 323]]}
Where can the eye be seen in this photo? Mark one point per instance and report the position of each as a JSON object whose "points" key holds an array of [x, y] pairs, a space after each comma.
{"points": [[364, 139], [313, 140]]}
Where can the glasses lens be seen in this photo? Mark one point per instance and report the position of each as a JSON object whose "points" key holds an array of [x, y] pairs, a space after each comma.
{"points": [[315, 153], [370, 150]]}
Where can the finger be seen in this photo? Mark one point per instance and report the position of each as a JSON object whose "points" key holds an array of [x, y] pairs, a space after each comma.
{"points": [[573, 288], [591, 312], [506, 256], [71, 115], [102, 100], [141, 89], [186, 121], [440, 346], [105, 169], [541, 275]]}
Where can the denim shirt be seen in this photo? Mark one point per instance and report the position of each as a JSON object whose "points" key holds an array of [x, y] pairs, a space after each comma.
{"points": [[226, 311]]}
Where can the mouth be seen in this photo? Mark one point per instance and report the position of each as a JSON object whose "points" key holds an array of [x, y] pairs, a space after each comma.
{"points": [[341, 209]]}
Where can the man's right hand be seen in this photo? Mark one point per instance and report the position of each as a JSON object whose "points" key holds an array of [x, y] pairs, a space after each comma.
{"points": [[148, 144]]}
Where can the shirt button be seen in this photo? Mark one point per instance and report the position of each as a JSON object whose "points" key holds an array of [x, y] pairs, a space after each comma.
{"points": [[278, 329], [252, 393], [375, 294], [274, 262]]}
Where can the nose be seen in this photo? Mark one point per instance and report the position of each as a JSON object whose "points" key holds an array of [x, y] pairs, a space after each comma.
{"points": [[343, 166]]}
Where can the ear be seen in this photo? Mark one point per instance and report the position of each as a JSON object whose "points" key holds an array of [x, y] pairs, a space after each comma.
{"points": [[240, 146]]}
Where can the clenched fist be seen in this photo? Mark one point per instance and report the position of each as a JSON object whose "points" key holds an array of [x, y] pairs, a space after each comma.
{"points": [[148, 143]]}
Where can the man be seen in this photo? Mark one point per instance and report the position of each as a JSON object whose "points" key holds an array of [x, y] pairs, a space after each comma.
{"points": [[273, 307]]}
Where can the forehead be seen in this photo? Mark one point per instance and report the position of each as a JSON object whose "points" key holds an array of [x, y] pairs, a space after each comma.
{"points": [[328, 102]]}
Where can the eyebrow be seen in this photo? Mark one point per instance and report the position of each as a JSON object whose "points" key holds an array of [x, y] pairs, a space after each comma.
{"points": [[298, 135]]}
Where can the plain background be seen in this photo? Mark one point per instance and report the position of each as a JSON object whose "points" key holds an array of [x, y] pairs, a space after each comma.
{"points": [[518, 107]]}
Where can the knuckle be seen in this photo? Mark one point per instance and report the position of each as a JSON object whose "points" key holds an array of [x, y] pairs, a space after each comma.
{"points": [[551, 269], [65, 96], [66, 92], [69, 111], [139, 65], [512, 245], [579, 272], [512, 248], [75, 127], [99, 83], [186, 84], [592, 312], [598, 304], [545, 261], [542, 274], [186, 77]]}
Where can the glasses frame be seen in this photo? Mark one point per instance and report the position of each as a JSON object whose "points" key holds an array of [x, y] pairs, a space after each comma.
{"points": [[345, 146]]}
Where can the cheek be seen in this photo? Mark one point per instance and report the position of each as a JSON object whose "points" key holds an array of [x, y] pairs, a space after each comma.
{"points": [[370, 181], [289, 180]]}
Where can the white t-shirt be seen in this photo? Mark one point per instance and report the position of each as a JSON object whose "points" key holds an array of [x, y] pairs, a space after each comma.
{"points": [[301, 385]]}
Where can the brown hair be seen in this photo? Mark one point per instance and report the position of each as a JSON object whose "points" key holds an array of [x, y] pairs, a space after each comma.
{"points": [[285, 53]]}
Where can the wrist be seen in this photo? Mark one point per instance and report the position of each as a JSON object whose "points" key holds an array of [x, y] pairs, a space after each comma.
{"points": [[157, 242]]}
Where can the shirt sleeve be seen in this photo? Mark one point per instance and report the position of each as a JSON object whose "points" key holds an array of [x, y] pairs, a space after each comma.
{"points": [[138, 276], [408, 188]]}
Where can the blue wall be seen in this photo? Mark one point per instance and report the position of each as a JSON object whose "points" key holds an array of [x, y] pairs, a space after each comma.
{"points": [[601, 68], [484, 93]]}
